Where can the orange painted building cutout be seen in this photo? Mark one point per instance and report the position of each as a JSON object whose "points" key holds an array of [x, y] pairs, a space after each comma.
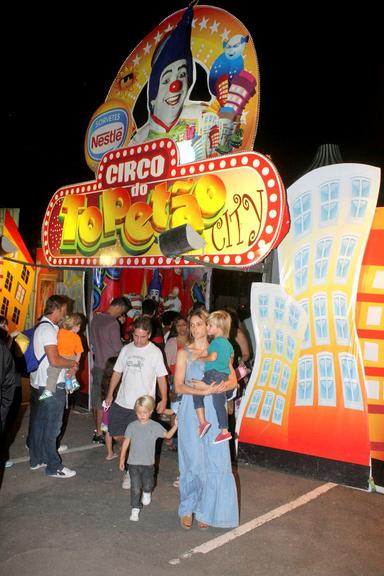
{"points": [[16, 280], [370, 329]]}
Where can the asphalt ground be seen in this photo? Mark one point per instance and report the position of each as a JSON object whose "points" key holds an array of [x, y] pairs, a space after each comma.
{"points": [[289, 525]]}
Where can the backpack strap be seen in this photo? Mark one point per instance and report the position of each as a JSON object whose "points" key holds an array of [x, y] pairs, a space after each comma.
{"points": [[39, 360]]}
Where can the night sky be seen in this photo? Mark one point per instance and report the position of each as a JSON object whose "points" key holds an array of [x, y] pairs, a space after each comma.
{"points": [[321, 82]]}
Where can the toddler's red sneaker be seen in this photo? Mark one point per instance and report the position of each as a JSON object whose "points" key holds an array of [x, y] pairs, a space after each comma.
{"points": [[203, 429], [222, 437]]}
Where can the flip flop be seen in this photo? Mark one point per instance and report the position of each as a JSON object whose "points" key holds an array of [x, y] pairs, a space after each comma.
{"points": [[186, 522], [202, 526], [111, 457]]}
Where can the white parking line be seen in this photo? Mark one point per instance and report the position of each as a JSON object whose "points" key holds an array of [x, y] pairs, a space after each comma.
{"points": [[255, 523], [69, 451]]}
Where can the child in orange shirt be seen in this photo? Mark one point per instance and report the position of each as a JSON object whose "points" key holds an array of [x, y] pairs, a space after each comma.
{"points": [[69, 345]]}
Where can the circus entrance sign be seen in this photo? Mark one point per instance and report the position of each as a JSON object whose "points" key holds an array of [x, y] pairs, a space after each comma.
{"points": [[236, 203], [185, 159]]}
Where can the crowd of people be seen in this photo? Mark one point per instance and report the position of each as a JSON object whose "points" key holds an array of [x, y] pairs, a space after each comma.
{"points": [[166, 370], [153, 370]]}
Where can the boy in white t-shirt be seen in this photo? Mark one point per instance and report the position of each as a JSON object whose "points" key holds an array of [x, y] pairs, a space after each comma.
{"points": [[139, 367]]}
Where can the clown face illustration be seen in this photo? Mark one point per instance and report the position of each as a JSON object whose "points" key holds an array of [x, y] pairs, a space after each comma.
{"points": [[173, 88]]}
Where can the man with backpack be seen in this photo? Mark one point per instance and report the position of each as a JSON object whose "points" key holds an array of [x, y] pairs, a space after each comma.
{"points": [[46, 417]]}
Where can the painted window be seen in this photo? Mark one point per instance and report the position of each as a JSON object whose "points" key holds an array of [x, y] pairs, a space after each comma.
{"points": [[279, 309], [341, 318], [351, 384], [264, 371], [285, 379], [20, 293], [327, 384], [321, 319], [306, 343], [25, 273], [293, 318], [267, 406], [4, 306], [279, 342], [322, 258], [360, 195], [301, 214], [16, 315], [290, 348], [267, 339], [301, 263], [304, 391], [275, 374], [329, 199], [8, 282], [347, 247], [263, 306], [254, 405], [278, 410]]}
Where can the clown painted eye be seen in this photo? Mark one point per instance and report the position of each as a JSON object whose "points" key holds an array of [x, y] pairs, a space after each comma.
{"points": [[165, 80]]}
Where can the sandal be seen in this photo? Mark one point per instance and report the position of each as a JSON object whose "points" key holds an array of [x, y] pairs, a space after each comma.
{"points": [[111, 457], [202, 526], [186, 522]]}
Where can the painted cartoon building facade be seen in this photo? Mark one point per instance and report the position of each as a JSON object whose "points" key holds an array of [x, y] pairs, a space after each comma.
{"points": [[278, 323], [331, 209], [370, 329], [16, 279]]}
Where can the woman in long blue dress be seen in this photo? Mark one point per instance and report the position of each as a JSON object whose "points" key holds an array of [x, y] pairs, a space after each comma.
{"points": [[207, 486]]}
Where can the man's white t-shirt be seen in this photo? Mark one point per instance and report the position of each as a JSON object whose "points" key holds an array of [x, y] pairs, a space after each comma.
{"points": [[140, 368], [44, 335]]}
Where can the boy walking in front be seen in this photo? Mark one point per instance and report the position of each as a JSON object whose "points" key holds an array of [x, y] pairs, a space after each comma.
{"points": [[141, 436]]}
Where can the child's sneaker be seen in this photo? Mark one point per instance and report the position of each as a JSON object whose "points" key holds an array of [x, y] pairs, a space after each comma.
{"points": [[203, 429], [146, 498], [74, 386], [222, 437], [46, 394], [135, 514], [68, 384]]}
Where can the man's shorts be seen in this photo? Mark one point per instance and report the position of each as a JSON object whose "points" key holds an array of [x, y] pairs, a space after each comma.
{"points": [[97, 376], [119, 418]]}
